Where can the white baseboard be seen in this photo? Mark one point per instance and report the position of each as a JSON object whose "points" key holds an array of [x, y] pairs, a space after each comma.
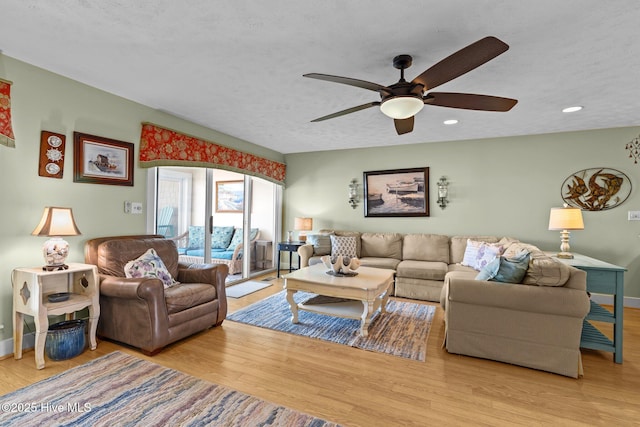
{"points": [[6, 346], [630, 302]]}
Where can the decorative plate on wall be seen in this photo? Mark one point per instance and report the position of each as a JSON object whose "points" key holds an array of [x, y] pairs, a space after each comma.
{"points": [[51, 154], [596, 189]]}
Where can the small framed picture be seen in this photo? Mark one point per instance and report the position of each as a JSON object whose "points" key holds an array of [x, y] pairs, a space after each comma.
{"points": [[229, 196], [396, 192], [99, 160]]}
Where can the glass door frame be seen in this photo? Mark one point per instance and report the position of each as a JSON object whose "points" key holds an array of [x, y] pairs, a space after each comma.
{"points": [[151, 217]]}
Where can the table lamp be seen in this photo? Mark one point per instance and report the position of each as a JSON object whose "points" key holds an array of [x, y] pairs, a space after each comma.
{"points": [[56, 222], [565, 219], [303, 225]]}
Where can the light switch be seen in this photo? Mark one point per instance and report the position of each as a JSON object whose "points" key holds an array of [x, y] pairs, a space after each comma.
{"points": [[133, 207], [136, 208], [634, 215]]}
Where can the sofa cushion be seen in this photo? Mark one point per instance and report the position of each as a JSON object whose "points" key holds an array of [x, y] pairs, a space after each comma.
{"points": [[389, 263], [478, 254], [321, 244], [427, 270], [425, 247], [507, 270], [459, 244], [343, 245], [187, 295], [149, 265], [546, 271], [381, 245], [221, 237]]}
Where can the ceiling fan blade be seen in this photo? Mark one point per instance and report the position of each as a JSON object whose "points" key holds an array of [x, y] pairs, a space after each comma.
{"points": [[404, 125], [348, 81], [347, 111], [470, 101], [461, 62]]}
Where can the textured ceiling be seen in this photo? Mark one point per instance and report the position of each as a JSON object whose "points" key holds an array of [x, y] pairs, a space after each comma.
{"points": [[236, 66]]}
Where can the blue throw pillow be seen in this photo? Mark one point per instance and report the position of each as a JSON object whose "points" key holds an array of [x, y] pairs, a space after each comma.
{"points": [[237, 238], [321, 243], [507, 270], [196, 237], [221, 237]]}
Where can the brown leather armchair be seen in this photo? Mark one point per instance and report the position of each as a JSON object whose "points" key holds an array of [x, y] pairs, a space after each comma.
{"points": [[139, 311]]}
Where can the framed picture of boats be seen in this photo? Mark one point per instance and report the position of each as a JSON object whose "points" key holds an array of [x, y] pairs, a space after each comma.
{"points": [[98, 160], [396, 192]]}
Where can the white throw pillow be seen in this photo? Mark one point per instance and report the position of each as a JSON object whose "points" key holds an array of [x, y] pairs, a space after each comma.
{"points": [[478, 254], [149, 265]]}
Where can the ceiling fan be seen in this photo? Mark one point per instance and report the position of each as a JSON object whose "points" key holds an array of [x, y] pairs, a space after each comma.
{"points": [[402, 100]]}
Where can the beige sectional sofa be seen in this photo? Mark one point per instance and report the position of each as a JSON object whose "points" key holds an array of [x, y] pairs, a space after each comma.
{"points": [[536, 323], [421, 261]]}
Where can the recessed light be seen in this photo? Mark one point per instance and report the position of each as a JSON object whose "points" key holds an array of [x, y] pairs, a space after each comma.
{"points": [[572, 109], [450, 122]]}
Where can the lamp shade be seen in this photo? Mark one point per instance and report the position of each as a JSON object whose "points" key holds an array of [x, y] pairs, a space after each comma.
{"points": [[566, 218], [402, 107], [56, 222], [303, 224]]}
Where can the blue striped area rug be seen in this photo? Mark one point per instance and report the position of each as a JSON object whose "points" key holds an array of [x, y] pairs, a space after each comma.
{"points": [[401, 331], [122, 390]]}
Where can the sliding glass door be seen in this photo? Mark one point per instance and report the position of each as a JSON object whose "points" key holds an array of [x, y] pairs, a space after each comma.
{"points": [[215, 215]]}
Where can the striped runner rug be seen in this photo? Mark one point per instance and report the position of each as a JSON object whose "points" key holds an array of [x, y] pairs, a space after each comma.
{"points": [[123, 390], [401, 331]]}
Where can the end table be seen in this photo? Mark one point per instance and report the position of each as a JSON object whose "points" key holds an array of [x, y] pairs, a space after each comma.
{"points": [[31, 288], [290, 247]]}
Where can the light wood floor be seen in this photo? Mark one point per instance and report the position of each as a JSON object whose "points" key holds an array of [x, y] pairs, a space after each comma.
{"points": [[360, 388]]}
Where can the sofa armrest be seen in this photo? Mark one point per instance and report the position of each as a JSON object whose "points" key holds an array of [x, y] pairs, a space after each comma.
{"points": [[150, 290], [305, 252], [214, 274], [123, 287], [562, 301]]}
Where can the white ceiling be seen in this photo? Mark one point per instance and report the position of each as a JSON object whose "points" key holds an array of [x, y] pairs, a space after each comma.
{"points": [[236, 66]]}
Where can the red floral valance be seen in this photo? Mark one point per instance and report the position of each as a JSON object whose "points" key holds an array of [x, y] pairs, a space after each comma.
{"points": [[166, 147], [6, 132]]}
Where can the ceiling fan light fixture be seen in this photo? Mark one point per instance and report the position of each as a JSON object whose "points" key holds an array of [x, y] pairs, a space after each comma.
{"points": [[402, 107]]}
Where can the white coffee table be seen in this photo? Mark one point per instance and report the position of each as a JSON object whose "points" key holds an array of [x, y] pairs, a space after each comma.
{"points": [[366, 293]]}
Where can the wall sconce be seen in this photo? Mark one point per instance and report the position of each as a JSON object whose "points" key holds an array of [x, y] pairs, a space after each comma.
{"points": [[353, 193], [443, 192]]}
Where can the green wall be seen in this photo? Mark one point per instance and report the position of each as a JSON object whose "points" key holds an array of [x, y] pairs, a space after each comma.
{"points": [[45, 101], [502, 186]]}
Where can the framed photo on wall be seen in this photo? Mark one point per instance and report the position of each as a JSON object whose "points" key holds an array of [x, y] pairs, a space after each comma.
{"points": [[396, 192], [99, 160], [229, 196]]}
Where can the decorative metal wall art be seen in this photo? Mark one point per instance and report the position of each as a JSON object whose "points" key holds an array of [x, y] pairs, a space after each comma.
{"points": [[596, 189], [633, 147]]}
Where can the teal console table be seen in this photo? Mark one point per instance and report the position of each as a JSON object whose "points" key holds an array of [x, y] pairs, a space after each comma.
{"points": [[602, 278]]}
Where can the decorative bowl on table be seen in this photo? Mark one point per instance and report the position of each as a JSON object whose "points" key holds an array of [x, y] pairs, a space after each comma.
{"points": [[341, 265]]}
